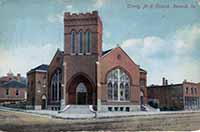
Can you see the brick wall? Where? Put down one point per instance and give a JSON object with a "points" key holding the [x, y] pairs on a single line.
{"points": [[37, 86], [86, 63], [169, 96], [117, 58], [12, 94]]}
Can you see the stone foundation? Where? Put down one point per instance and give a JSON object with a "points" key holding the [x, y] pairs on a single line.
{"points": [[119, 108]]}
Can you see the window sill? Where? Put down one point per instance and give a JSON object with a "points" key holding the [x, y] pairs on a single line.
{"points": [[88, 53], [116, 101], [72, 53], [80, 53]]}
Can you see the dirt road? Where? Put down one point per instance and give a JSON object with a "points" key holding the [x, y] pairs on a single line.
{"points": [[22, 122]]}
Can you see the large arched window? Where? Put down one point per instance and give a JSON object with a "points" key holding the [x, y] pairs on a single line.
{"points": [[88, 42], [118, 85], [56, 86], [80, 42], [73, 35]]}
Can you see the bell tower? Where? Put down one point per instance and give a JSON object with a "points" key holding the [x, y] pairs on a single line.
{"points": [[82, 34], [82, 49]]}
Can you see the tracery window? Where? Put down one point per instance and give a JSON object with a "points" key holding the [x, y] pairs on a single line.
{"points": [[56, 86], [118, 85]]}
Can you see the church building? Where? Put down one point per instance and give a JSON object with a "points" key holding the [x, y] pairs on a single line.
{"points": [[84, 75]]}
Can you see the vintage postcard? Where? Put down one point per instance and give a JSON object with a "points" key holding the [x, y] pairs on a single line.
{"points": [[99, 65]]}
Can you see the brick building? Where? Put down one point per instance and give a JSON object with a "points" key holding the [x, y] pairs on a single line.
{"points": [[37, 87], [183, 96], [10, 76], [13, 91], [83, 74]]}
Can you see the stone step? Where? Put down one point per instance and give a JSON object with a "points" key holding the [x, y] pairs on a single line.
{"points": [[149, 108], [78, 109]]}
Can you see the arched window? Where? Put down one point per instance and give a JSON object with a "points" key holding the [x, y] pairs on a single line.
{"points": [[80, 42], [88, 42], [73, 42], [118, 85], [81, 88], [56, 86], [110, 91], [17, 92]]}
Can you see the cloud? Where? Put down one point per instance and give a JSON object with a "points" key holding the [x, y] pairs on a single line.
{"points": [[28, 56], [187, 39], [99, 3], [70, 8], [173, 56], [132, 42], [2, 2], [149, 46], [198, 2], [107, 34], [58, 18]]}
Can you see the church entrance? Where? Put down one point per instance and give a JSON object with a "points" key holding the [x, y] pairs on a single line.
{"points": [[81, 91], [81, 94]]}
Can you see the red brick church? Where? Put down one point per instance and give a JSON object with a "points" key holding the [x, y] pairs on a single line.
{"points": [[83, 74]]}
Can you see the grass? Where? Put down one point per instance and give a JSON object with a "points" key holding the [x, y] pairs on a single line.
{"points": [[23, 122]]}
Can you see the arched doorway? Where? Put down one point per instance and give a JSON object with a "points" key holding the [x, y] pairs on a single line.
{"points": [[44, 102], [81, 90], [141, 97], [81, 94]]}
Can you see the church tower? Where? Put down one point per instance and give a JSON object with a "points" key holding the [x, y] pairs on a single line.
{"points": [[82, 49]]}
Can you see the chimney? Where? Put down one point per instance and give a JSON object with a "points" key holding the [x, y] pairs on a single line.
{"points": [[166, 82], [163, 81]]}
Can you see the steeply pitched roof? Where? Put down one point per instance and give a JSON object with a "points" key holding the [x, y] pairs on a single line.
{"points": [[105, 52], [42, 67], [165, 86], [58, 53], [143, 70], [13, 84]]}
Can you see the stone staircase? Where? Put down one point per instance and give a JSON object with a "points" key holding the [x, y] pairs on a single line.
{"points": [[77, 111], [149, 108]]}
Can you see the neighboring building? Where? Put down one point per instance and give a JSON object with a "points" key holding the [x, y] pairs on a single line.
{"points": [[10, 76], [37, 87], [13, 91], [183, 96], [85, 75]]}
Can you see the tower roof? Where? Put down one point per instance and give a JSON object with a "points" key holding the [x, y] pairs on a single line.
{"points": [[42, 67], [13, 84]]}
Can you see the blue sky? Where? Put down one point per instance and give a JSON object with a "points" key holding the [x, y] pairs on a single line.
{"points": [[164, 39]]}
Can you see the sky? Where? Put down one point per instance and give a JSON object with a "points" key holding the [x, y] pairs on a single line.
{"points": [[162, 36]]}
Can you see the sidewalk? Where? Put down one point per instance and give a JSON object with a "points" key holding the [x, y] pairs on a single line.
{"points": [[55, 114]]}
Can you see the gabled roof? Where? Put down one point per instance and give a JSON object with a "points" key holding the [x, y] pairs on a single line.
{"points": [[118, 47], [42, 67], [142, 70], [13, 84], [58, 52], [105, 52]]}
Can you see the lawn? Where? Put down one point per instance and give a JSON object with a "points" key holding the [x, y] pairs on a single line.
{"points": [[23, 122]]}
